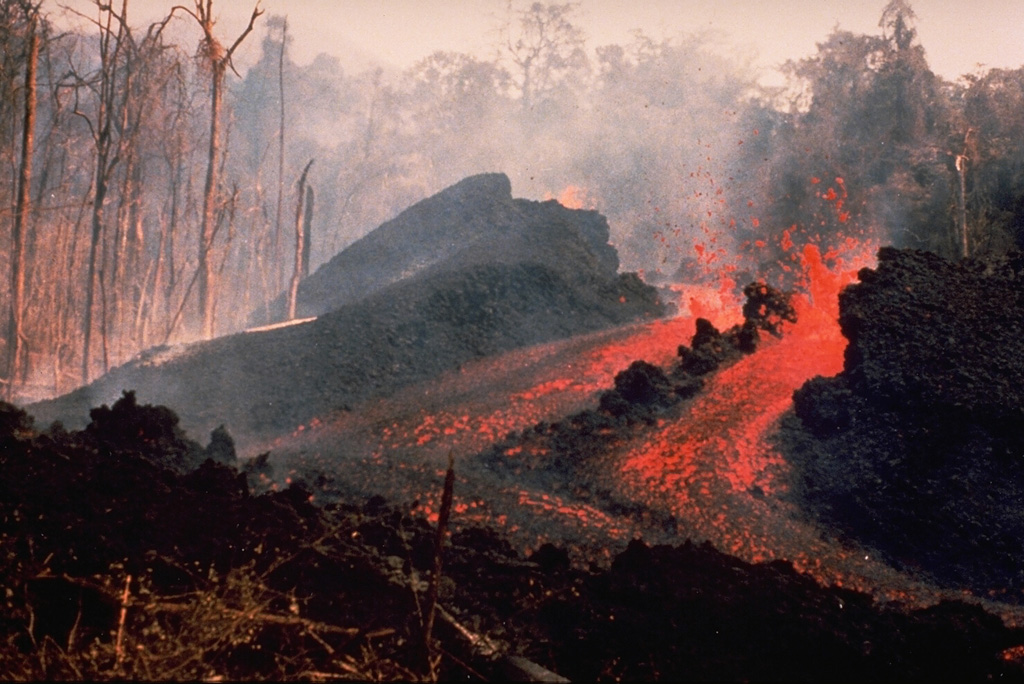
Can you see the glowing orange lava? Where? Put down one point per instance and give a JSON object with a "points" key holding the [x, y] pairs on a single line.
{"points": [[572, 197], [460, 411], [715, 469], [710, 473]]}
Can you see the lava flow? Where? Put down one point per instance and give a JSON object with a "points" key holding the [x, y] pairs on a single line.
{"points": [[715, 470], [705, 471]]}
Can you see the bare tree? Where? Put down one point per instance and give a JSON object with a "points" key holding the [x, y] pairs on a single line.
{"points": [[115, 101], [218, 60], [307, 231], [15, 330], [112, 29], [546, 49], [176, 151], [300, 245], [280, 142], [960, 163], [152, 129]]}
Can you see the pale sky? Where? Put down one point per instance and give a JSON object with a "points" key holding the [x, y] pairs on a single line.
{"points": [[957, 35]]}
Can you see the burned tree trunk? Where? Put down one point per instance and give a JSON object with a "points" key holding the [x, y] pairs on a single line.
{"points": [[219, 59], [96, 234], [15, 330], [278, 260], [960, 163], [206, 275], [307, 231], [961, 205], [300, 245], [105, 140]]}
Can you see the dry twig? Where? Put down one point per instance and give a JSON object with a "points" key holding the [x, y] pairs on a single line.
{"points": [[119, 641], [433, 590]]}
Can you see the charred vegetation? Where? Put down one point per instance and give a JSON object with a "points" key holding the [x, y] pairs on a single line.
{"points": [[116, 565]]}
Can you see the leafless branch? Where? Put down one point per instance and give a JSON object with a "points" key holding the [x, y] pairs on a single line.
{"points": [[256, 12]]}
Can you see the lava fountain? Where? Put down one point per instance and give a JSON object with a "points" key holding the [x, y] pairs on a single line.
{"points": [[716, 471]]}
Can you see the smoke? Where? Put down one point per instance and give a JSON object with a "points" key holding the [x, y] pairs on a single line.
{"points": [[700, 172], [706, 177], [646, 132]]}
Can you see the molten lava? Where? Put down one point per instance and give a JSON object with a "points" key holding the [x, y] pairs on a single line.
{"points": [[716, 471], [706, 471], [572, 197]]}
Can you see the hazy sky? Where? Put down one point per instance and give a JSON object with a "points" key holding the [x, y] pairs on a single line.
{"points": [[957, 35]]}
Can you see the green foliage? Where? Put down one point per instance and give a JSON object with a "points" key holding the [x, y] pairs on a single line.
{"points": [[994, 147], [870, 111]]}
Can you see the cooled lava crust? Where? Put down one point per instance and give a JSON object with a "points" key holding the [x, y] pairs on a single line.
{"points": [[917, 447]]}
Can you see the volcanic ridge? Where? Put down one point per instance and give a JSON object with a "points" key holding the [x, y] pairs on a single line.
{"points": [[467, 273]]}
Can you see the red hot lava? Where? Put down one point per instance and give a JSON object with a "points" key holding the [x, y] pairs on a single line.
{"points": [[712, 468]]}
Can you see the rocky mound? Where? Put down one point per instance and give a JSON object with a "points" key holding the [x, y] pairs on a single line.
{"points": [[916, 447], [467, 273], [475, 221], [116, 568]]}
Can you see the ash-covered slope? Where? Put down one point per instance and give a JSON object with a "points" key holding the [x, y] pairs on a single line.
{"points": [[472, 222], [489, 274], [917, 447]]}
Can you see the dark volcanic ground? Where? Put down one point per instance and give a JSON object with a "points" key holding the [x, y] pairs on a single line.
{"points": [[114, 565], [917, 447]]}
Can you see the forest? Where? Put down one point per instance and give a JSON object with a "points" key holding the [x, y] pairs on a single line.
{"points": [[152, 194]]}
